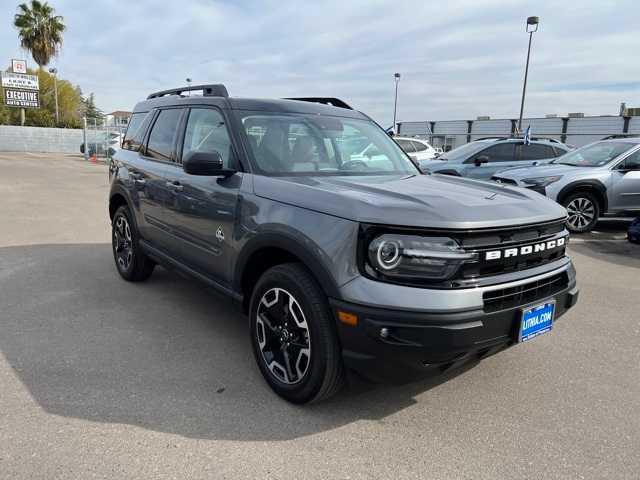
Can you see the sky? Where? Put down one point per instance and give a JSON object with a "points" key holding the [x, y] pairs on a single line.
{"points": [[457, 59]]}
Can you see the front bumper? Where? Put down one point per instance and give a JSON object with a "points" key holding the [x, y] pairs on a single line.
{"points": [[417, 342]]}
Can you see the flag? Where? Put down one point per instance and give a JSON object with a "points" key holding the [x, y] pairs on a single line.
{"points": [[527, 135]]}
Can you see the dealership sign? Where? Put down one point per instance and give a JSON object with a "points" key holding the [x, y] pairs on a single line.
{"points": [[18, 66], [21, 98], [20, 80]]}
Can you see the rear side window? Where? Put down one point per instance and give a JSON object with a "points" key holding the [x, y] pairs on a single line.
{"points": [[536, 151], [420, 147], [135, 131], [163, 135], [206, 132], [406, 145]]}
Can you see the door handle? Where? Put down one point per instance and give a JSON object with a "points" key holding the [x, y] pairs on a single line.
{"points": [[175, 186], [138, 181]]}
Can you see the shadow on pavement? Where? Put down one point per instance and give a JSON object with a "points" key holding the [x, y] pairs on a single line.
{"points": [[608, 242], [166, 355]]}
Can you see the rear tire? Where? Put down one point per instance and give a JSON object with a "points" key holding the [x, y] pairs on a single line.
{"points": [[132, 264], [294, 336], [583, 210]]}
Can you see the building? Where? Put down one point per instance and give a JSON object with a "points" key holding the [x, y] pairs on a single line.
{"points": [[574, 129], [119, 118]]}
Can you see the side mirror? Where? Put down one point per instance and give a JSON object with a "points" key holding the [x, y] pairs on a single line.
{"points": [[436, 155], [630, 168], [481, 159], [205, 164]]}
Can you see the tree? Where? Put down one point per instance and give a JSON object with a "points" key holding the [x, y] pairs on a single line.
{"points": [[39, 30], [91, 111]]}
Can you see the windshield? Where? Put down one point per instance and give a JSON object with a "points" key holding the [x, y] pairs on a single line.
{"points": [[463, 152], [594, 155], [301, 144]]}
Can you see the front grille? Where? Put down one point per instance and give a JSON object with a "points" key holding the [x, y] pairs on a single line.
{"points": [[505, 298], [499, 240]]}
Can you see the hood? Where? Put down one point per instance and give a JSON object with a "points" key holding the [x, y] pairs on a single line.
{"points": [[421, 200], [545, 170]]}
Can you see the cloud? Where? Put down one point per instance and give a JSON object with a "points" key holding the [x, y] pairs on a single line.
{"points": [[458, 59]]}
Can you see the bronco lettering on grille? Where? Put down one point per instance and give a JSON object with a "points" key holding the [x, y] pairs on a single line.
{"points": [[526, 250]]}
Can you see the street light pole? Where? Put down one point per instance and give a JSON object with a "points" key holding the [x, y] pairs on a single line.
{"points": [[189, 84], [396, 77], [54, 72], [532, 27]]}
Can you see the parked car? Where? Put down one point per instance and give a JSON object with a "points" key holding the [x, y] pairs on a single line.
{"points": [[340, 260], [482, 158], [633, 234], [103, 143], [416, 148], [602, 177]]}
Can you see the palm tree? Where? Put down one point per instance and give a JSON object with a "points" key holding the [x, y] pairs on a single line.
{"points": [[39, 30]]}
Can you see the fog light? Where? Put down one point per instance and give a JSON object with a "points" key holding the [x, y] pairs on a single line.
{"points": [[384, 333]]}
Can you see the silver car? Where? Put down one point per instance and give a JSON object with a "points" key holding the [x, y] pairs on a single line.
{"points": [[602, 177]]}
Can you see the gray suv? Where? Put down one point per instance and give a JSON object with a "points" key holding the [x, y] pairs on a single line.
{"points": [[482, 158], [339, 260], [602, 177]]}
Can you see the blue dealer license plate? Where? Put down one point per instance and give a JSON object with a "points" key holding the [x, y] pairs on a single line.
{"points": [[536, 321]]}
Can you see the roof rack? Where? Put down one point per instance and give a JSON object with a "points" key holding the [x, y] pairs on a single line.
{"points": [[512, 137], [334, 102], [621, 135], [214, 90]]}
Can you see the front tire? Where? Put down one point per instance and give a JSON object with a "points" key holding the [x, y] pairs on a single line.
{"points": [[583, 211], [132, 264], [293, 335]]}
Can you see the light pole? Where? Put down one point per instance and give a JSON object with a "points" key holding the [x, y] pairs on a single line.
{"points": [[532, 27], [396, 77], [54, 72], [188, 80]]}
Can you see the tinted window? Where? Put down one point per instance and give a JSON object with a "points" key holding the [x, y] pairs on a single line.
{"points": [[406, 145], [503, 152], [136, 130], [632, 162], [536, 151], [163, 134], [420, 147], [206, 132]]}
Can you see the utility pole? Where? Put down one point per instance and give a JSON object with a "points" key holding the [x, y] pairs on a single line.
{"points": [[532, 27], [54, 72], [396, 77]]}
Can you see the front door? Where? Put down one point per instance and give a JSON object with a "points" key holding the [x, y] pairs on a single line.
{"points": [[203, 208], [626, 183]]}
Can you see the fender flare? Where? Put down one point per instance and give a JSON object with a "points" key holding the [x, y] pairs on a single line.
{"points": [[588, 184], [288, 243]]}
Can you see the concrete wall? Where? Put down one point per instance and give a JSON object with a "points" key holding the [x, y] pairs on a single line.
{"points": [[39, 139]]}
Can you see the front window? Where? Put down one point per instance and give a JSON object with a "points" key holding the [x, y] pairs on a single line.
{"points": [[595, 154], [302, 144]]}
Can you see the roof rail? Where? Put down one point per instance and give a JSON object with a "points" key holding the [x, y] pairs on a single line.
{"points": [[335, 102], [214, 90]]}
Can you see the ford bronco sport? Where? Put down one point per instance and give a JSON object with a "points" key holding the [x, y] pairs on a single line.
{"points": [[340, 260]]}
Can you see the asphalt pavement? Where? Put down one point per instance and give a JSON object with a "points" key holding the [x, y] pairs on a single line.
{"points": [[100, 378]]}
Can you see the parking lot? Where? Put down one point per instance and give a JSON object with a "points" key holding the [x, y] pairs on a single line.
{"points": [[100, 378]]}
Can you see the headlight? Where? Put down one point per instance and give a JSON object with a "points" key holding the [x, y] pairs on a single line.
{"points": [[414, 257], [541, 181]]}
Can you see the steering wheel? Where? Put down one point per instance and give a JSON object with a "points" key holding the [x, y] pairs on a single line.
{"points": [[354, 163]]}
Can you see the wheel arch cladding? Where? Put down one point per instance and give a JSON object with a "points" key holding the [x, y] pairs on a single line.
{"points": [[269, 250], [116, 201], [592, 186]]}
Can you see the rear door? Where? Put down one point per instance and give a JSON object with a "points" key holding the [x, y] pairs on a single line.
{"points": [[626, 183], [203, 208], [488, 161]]}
